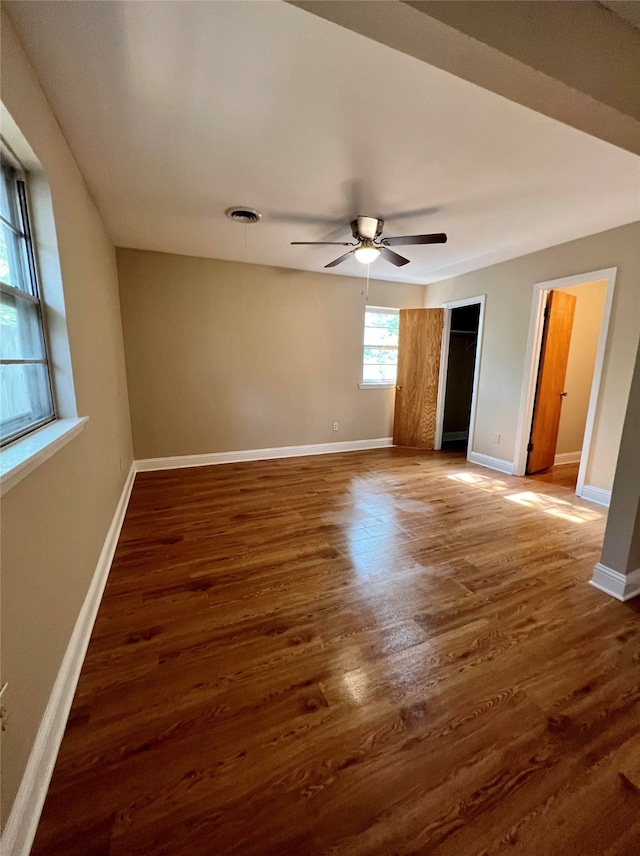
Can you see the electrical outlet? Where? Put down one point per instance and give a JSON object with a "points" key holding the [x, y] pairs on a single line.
{"points": [[496, 438], [335, 426]]}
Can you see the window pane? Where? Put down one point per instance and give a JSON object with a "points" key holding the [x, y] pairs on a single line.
{"points": [[20, 329], [25, 397], [11, 260], [5, 208], [380, 336], [379, 374], [380, 356], [390, 320], [25, 391], [7, 198]]}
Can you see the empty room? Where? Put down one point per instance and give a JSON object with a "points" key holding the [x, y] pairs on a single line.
{"points": [[320, 410]]}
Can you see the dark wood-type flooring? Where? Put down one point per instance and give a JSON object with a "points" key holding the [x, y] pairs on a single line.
{"points": [[364, 654]]}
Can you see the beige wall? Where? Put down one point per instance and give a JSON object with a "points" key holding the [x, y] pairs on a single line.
{"points": [[224, 356], [621, 548], [582, 359], [509, 290], [55, 521]]}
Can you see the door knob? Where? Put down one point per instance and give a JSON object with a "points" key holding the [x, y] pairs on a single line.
{"points": [[398, 387], [563, 394]]}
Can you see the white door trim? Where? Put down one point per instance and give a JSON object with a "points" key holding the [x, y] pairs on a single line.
{"points": [[442, 379], [532, 361], [444, 367]]}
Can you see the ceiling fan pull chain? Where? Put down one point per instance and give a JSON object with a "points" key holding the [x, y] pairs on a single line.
{"points": [[367, 297]]}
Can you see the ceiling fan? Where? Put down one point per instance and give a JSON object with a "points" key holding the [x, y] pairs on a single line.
{"points": [[369, 245]]}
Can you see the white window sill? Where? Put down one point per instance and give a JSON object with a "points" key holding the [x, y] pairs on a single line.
{"points": [[376, 385], [22, 457]]}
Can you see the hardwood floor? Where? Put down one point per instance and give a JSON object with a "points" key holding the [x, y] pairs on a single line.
{"points": [[565, 475], [363, 654]]}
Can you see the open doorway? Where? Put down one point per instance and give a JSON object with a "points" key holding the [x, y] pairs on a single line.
{"points": [[461, 342], [567, 452]]}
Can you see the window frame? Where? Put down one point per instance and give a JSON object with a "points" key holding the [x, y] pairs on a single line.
{"points": [[374, 384], [17, 188]]}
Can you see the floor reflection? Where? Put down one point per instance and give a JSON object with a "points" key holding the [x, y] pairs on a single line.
{"points": [[356, 683]]}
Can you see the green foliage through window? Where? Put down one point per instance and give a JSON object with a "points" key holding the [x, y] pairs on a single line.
{"points": [[380, 355], [26, 401]]}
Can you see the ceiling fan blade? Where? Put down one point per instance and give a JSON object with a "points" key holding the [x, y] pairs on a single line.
{"points": [[406, 240], [392, 257], [323, 243], [339, 260]]}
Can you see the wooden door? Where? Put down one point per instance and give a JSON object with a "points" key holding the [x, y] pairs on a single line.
{"points": [[414, 422], [556, 338]]}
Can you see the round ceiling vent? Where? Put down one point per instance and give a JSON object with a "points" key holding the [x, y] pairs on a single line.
{"points": [[240, 214]]}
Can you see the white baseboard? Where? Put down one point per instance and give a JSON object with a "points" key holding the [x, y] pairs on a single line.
{"points": [[492, 463], [179, 461], [596, 494], [20, 830], [621, 586], [455, 435], [567, 458]]}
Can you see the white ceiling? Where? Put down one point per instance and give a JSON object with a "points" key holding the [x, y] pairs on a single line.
{"points": [[178, 110]]}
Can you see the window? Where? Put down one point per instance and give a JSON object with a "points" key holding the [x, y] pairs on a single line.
{"points": [[26, 401], [380, 361]]}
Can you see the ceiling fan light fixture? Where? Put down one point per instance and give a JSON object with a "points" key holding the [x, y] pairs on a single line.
{"points": [[366, 253]]}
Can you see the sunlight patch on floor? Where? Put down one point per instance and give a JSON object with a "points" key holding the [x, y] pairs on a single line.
{"points": [[483, 482], [529, 499], [554, 506]]}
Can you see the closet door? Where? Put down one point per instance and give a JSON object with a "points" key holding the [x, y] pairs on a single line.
{"points": [[420, 343]]}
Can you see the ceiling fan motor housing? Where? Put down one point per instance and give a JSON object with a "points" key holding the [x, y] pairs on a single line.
{"points": [[367, 227]]}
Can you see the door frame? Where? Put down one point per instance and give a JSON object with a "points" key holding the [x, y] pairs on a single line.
{"points": [[532, 362], [444, 367]]}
